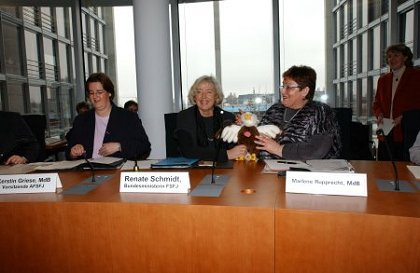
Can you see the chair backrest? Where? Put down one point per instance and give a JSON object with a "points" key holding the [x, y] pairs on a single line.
{"points": [[410, 124], [344, 117], [360, 141], [171, 143], [38, 123]]}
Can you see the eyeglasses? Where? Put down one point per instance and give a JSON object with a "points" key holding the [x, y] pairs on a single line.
{"points": [[98, 93], [289, 87]]}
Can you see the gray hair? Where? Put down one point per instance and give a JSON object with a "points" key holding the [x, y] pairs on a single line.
{"points": [[209, 79]]}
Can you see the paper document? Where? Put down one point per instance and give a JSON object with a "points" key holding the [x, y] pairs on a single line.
{"points": [[97, 163], [142, 164], [315, 165], [386, 125], [415, 170]]}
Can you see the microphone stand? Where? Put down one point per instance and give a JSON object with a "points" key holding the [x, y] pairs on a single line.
{"points": [[212, 185], [383, 185], [90, 167]]}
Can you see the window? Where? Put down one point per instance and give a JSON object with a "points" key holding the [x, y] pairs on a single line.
{"points": [[32, 55], [15, 97], [35, 100], [61, 21], [406, 28], [49, 59], [63, 57], [12, 49], [245, 51]]}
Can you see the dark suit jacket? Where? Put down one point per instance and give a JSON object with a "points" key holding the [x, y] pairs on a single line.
{"points": [[186, 135], [16, 138], [123, 126], [407, 97]]}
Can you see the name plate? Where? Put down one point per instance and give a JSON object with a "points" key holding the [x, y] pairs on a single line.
{"points": [[155, 182], [350, 184], [29, 183]]}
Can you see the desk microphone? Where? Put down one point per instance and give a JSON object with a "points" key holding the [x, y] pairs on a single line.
{"points": [[218, 144], [90, 167], [379, 133]]}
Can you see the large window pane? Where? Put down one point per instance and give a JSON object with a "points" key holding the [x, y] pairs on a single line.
{"points": [[35, 99], [32, 54], [63, 55], [50, 59], [245, 51], [15, 98], [12, 49]]}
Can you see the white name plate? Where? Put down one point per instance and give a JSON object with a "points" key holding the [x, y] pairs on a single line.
{"points": [[29, 183], [155, 182], [351, 184]]}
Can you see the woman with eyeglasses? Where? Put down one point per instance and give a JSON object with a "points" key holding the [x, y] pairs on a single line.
{"points": [[309, 129], [106, 130]]}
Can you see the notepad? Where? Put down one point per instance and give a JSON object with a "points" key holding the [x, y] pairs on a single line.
{"points": [[175, 162]]}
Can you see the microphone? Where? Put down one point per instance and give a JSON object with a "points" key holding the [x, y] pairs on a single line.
{"points": [[379, 133], [218, 144], [90, 167]]}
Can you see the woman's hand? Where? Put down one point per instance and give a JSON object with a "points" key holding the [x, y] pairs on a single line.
{"points": [[109, 148], [268, 144], [237, 151], [15, 159], [77, 150]]}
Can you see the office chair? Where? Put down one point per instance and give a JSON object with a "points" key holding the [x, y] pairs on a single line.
{"points": [[171, 143], [410, 125], [344, 117], [360, 141], [38, 123]]}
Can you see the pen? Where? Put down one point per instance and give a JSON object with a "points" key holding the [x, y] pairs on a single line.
{"points": [[286, 162]]}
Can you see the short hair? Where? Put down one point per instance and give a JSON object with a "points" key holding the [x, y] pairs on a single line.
{"points": [[129, 103], [209, 79], [82, 105], [404, 50], [104, 80], [304, 76]]}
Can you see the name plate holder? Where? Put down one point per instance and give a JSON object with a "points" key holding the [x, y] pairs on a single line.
{"points": [[155, 182], [29, 183], [348, 184]]}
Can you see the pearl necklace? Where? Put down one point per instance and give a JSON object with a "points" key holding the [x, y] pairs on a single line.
{"points": [[285, 114]]}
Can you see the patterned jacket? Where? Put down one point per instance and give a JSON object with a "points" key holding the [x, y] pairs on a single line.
{"points": [[314, 119]]}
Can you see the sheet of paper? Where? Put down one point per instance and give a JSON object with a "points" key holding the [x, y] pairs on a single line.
{"points": [[142, 164], [16, 169], [415, 170], [386, 125]]}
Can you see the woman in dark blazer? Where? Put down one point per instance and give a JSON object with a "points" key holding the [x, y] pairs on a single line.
{"points": [[106, 130], [198, 126]]}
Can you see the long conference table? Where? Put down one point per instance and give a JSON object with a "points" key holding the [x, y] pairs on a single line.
{"points": [[254, 226]]}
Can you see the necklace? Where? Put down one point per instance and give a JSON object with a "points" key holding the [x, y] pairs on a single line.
{"points": [[285, 114]]}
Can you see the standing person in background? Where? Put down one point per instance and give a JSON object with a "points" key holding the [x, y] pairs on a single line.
{"points": [[131, 106], [198, 126], [18, 145], [106, 130], [397, 92]]}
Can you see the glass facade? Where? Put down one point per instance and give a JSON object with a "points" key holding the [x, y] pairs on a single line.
{"points": [[37, 73], [364, 45]]}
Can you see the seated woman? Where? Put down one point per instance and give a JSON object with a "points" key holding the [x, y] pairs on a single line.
{"points": [[415, 151], [106, 130], [198, 127], [309, 128], [18, 145]]}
